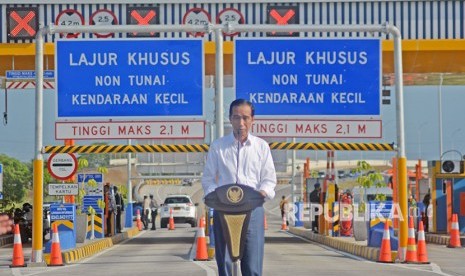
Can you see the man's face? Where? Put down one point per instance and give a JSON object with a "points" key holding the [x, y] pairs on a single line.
{"points": [[241, 120]]}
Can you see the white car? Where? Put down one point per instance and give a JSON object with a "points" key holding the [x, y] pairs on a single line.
{"points": [[184, 210]]}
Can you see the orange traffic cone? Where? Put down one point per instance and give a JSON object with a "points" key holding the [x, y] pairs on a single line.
{"points": [[411, 256], [202, 222], [385, 255], [454, 241], [422, 254], [202, 254], [55, 252], [284, 224], [265, 224], [171, 221], [138, 220], [18, 257]]}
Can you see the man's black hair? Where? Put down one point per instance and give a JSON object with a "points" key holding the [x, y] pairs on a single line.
{"points": [[239, 102]]}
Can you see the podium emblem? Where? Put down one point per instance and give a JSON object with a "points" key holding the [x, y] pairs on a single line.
{"points": [[235, 194]]}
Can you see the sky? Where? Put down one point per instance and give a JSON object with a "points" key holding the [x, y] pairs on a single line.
{"points": [[421, 119]]}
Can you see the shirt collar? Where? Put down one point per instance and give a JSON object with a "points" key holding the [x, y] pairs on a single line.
{"points": [[233, 139]]}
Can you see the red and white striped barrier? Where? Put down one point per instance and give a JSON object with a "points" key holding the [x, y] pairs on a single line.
{"points": [[28, 85]]}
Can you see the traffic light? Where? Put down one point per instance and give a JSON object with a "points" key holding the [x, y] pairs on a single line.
{"points": [[22, 22], [143, 16], [282, 15]]}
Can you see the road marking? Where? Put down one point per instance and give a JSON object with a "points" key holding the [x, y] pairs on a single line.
{"points": [[329, 248], [17, 272], [210, 272], [434, 267]]}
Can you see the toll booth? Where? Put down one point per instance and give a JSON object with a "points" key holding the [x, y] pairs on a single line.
{"points": [[448, 194]]}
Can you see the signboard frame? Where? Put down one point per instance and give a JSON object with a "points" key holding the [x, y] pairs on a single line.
{"points": [[317, 128], [243, 72], [136, 100], [131, 129]]}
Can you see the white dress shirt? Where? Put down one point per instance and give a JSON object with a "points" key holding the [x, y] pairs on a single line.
{"points": [[255, 167]]}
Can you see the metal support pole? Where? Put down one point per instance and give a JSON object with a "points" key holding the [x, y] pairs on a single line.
{"points": [[402, 159], [219, 83], [218, 29], [293, 175], [38, 163], [440, 114], [128, 219]]}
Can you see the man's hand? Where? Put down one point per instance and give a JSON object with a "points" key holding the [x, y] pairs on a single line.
{"points": [[263, 193]]}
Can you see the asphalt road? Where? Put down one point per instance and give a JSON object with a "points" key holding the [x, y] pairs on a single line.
{"points": [[164, 252]]}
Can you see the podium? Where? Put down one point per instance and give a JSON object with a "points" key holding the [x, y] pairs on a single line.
{"points": [[234, 203]]}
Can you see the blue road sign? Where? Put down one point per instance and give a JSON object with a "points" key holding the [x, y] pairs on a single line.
{"points": [[129, 78], [301, 77], [28, 74], [62, 211], [85, 177]]}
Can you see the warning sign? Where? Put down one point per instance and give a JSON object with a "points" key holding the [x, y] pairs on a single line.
{"points": [[232, 16], [142, 16], [283, 15], [69, 18], [197, 17], [62, 165], [103, 17], [22, 22]]}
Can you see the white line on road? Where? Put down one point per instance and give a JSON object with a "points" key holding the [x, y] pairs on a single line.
{"points": [[435, 269], [210, 272], [85, 260]]}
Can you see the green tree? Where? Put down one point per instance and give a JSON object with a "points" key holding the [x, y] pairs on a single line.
{"points": [[368, 178], [17, 178]]}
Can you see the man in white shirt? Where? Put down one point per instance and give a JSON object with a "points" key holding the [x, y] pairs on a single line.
{"points": [[244, 159]]}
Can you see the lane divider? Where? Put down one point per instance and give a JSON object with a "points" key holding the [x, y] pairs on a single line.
{"points": [[93, 247], [369, 253]]}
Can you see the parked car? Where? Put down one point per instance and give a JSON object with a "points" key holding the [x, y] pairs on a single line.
{"points": [[184, 210]]}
